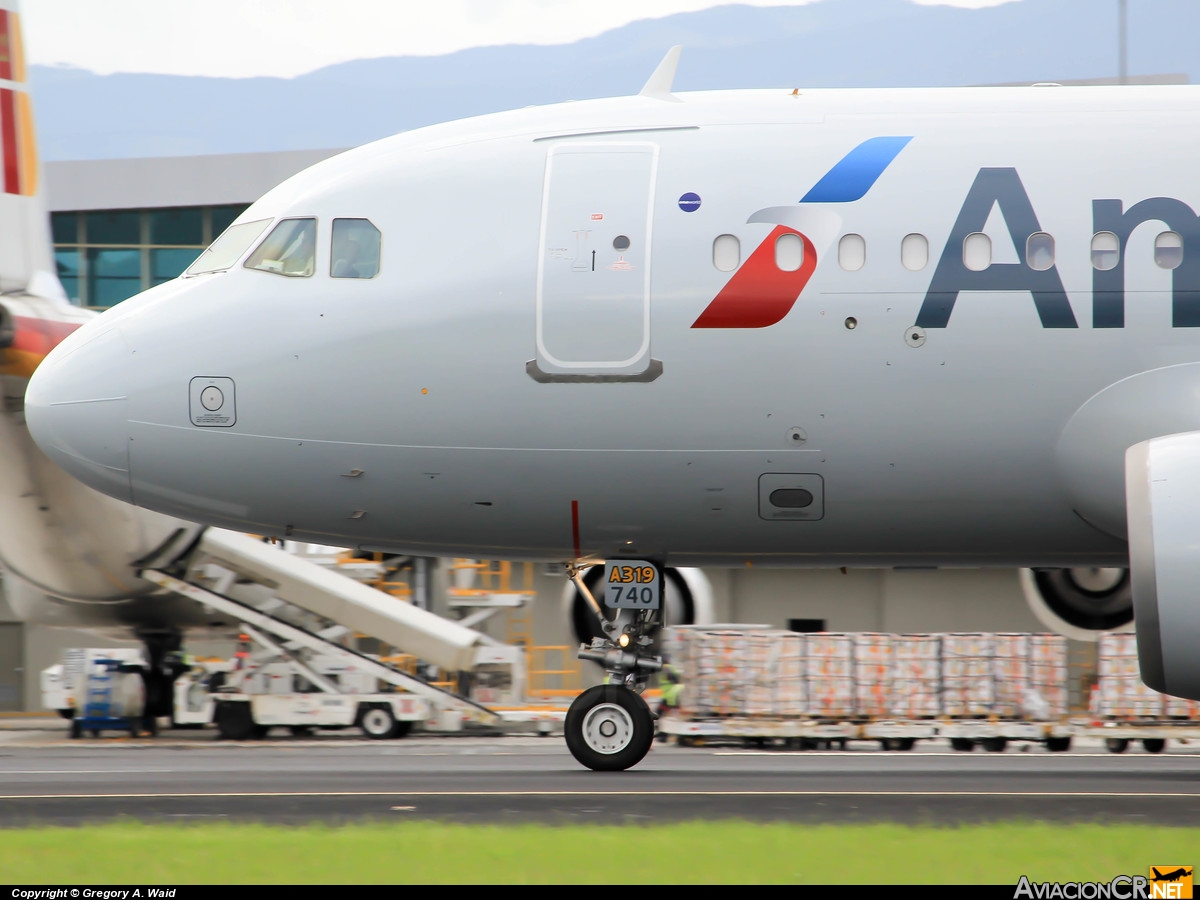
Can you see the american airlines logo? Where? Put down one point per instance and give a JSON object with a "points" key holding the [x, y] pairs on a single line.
{"points": [[760, 293]]}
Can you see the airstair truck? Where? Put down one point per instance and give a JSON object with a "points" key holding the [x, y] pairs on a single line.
{"points": [[287, 686]]}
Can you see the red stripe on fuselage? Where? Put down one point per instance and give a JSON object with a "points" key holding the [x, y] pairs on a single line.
{"points": [[8, 134], [760, 293]]}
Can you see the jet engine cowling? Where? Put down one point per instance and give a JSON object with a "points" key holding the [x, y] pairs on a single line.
{"points": [[1162, 485], [1080, 603]]}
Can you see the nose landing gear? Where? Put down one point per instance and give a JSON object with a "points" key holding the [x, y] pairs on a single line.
{"points": [[609, 727]]}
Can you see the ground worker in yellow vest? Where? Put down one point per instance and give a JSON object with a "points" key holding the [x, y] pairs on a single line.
{"points": [[671, 687]]}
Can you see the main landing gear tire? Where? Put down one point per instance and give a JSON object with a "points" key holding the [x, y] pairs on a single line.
{"points": [[609, 728]]}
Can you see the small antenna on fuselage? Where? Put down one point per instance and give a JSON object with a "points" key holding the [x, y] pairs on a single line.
{"points": [[658, 87]]}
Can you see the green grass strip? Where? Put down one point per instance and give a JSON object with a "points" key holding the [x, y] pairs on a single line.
{"points": [[690, 852]]}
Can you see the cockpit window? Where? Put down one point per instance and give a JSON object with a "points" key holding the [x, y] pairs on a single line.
{"points": [[355, 251], [290, 249], [228, 248]]}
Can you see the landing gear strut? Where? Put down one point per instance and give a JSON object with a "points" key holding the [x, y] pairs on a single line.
{"points": [[609, 727]]}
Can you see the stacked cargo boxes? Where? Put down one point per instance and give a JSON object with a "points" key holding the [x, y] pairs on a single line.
{"points": [[759, 673], [872, 674], [916, 676], [1179, 708], [1048, 672], [713, 684], [1030, 674], [830, 674], [968, 683], [763, 672], [792, 683], [1120, 692], [1010, 674], [725, 671]]}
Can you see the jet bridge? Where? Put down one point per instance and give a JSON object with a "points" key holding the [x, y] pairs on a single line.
{"points": [[220, 559]]}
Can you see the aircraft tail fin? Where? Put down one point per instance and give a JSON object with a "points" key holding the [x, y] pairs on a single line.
{"points": [[26, 254], [35, 314]]}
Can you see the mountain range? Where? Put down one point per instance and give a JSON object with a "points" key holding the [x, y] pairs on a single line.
{"points": [[832, 43]]}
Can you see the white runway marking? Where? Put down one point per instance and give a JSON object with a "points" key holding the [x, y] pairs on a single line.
{"points": [[844, 754], [261, 794], [82, 771]]}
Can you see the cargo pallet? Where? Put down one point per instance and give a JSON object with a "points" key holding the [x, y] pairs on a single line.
{"points": [[799, 734], [1153, 734]]}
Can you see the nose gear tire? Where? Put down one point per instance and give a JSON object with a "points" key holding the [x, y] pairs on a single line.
{"points": [[609, 728]]}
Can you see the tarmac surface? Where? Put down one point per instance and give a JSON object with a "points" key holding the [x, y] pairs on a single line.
{"points": [[45, 778]]}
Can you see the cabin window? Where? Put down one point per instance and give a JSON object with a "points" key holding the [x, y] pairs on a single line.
{"points": [[977, 251], [1168, 250], [354, 249], [789, 252], [1106, 250], [727, 252], [290, 249], [852, 252], [1039, 251], [228, 248], [914, 252]]}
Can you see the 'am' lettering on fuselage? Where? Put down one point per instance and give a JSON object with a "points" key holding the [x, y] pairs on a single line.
{"points": [[1002, 187]]}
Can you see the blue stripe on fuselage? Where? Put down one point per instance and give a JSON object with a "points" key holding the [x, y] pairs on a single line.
{"points": [[856, 171]]}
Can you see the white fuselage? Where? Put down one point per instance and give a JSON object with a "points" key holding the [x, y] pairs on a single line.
{"points": [[557, 359]]}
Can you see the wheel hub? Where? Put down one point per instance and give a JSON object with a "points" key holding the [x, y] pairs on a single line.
{"points": [[607, 728], [375, 720]]}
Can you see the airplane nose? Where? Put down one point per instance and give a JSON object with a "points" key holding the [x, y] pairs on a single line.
{"points": [[75, 407]]}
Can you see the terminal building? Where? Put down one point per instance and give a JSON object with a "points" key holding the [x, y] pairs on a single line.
{"points": [[122, 226]]}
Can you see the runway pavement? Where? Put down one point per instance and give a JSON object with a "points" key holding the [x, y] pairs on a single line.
{"points": [[189, 776]]}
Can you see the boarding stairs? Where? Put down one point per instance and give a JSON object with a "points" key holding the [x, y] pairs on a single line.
{"points": [[287, 603]]}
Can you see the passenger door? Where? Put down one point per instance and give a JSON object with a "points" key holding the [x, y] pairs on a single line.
{"points": [[593, 289]]}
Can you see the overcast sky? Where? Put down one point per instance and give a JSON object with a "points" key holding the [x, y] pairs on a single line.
{"points": [[241, 38]]}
